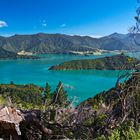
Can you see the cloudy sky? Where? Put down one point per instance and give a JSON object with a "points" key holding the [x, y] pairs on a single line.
{"points": [[82, 17]]}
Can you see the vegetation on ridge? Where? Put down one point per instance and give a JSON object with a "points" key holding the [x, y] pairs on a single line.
{"points": [[4, 54], [42, 43], [117, 62]]}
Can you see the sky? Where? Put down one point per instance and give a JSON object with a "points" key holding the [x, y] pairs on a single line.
{"points": [[74, 17]]}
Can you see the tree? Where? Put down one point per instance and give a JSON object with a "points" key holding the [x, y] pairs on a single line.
{"points": [[11, 83], [60, 95], [135, 30], [47, 91]]}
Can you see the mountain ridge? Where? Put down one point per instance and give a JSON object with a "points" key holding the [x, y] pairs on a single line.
{"points": [[42, 43]]}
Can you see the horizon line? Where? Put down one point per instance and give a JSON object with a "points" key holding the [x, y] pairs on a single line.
{"points": [[92, 36]]}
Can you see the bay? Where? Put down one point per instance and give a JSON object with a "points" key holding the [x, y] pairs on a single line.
{"points": [[82, 84]]}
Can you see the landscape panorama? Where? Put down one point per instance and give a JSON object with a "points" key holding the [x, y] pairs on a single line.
{"points": [[70, 70]]}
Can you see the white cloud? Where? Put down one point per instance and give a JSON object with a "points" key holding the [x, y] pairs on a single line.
{"points": [[95, 36], [7, 35], [63, 25], [3, 24], [90, 35], [44, 24]]}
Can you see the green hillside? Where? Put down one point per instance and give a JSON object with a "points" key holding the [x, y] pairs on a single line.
{"points": [[116, 62]]}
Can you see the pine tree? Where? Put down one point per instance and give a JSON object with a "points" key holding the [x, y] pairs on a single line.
{"points": [[47, 91], [60, 95]]}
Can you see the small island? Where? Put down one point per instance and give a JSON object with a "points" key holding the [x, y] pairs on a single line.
{"points": [[116, 62]]}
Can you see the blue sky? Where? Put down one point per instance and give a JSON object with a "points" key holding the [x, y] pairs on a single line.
{"points": [[81, 17]]}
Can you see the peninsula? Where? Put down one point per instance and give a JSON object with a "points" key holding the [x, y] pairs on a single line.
{"points": [[116, 62]]}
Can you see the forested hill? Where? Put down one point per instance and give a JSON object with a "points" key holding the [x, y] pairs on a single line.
{"points": [[59, 43], [7, 54], [11, 55], [116, 62]]}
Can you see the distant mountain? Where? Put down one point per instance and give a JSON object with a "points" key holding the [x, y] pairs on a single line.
{"points": [[119, 42], [4, 54], [7, 54], [47, 43], [118, 36], [59, 43]]}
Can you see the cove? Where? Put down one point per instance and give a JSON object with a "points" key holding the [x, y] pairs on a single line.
{"points": [[82, 84]]}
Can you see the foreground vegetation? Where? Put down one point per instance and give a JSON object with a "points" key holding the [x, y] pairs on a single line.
{"points": [[116, 62], [111, 115]]}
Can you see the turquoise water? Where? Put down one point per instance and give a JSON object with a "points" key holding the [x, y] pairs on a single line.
{"points": [[83, 84]]}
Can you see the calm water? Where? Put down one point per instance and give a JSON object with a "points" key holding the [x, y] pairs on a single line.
{"points": [[83, 84]]}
